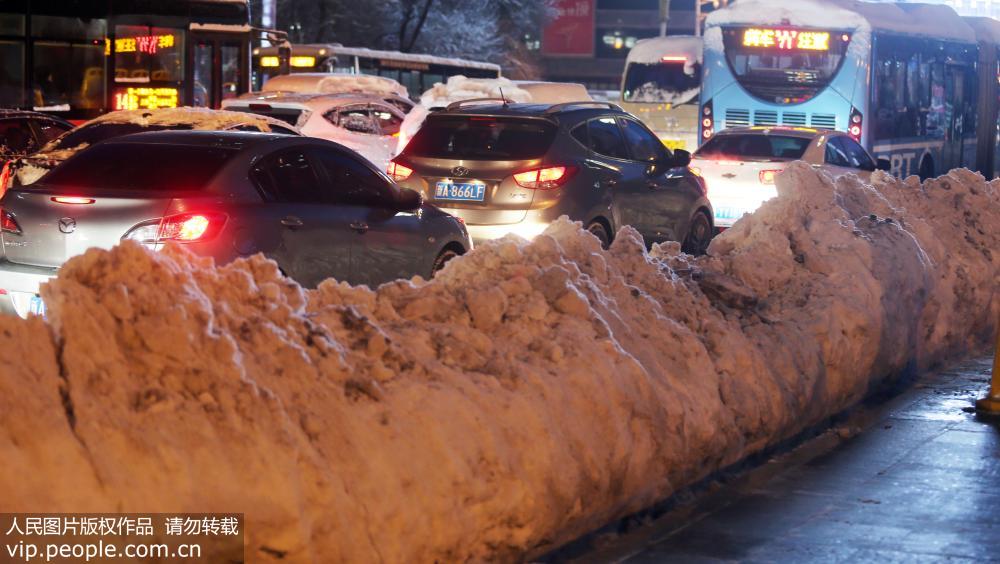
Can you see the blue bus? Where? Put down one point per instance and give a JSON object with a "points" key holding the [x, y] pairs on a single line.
{"points": [[913, 83]]}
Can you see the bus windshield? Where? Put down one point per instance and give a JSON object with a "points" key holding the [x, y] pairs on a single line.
{"points": [[784, 72], [663, 83]]}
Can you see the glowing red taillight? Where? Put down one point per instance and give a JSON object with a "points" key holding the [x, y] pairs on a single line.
{"points": [[854, 127], [8, 224], [545, 178], [397, 171], [72, 200], [183, 228], [5, 173]]}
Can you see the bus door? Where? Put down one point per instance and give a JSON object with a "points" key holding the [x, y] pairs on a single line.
{"points": [[219, 63], [954, 138]]}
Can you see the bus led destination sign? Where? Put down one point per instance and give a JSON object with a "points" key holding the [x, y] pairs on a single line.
{"points": [[786, 39]]}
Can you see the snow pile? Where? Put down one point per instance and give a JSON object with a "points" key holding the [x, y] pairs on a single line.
{"points": [[529, 393], [334, 83]]}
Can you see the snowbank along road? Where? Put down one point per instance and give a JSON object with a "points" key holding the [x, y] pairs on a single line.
{"points": [[530, 393]]}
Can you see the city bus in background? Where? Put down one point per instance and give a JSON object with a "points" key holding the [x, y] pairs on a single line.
{"points": [[415, 71], [83, 58], [660, 85], [905, 80]]}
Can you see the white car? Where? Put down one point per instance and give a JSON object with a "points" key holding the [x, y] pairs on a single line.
{"points": [[739, 165], [365, 123]]}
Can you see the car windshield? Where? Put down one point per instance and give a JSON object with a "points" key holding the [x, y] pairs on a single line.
{"points": [[93, 133], [664, 83], [141, 167], [754, 147], [482, 138]]}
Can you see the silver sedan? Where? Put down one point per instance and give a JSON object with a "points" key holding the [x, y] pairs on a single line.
{"points": [[317, 208]]}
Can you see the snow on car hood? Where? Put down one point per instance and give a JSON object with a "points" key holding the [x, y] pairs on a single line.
{"points": [[530, 393]]}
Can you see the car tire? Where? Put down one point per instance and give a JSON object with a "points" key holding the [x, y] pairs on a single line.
{"points": [[598, 229], [442, 259], [699, 235]]}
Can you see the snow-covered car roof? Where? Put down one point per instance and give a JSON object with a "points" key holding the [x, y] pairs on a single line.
{"points": [[332, 83], [553, 92], [932, 20], [458, 88], [195, 118], [312, 100]]}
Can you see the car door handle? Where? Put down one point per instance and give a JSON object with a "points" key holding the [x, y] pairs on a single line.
{"points": [[291, 222], [359, 226]]}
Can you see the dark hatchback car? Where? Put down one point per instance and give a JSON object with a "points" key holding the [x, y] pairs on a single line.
{"points": [[515, 168], [23, 132], [317, 208]]}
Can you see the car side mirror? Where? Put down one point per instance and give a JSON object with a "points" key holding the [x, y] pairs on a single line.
{"points": [[681, 158], [409, 200], [883, 164]]}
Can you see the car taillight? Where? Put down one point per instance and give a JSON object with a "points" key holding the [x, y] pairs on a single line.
{"points": [[767, 176], [72, 200], [8, 224], [184, 228], [398, 172], [5, 173], [707, 121], [854, 127], [545, 178]]}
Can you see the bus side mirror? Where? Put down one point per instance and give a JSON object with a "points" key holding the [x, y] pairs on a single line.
{"points": [[883, 164]]}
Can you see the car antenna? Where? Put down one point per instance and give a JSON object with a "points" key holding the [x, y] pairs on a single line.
{"points": [[502, 97]]}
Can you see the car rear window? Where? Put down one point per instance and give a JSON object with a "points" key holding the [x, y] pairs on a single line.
{"points": [[288, 115], [91, 134], [141, 167], [482, 138], [754, 146]]}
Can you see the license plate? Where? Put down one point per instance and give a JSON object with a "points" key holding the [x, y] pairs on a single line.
{"points": [[730, 213], [36, 306], [470, 192]]}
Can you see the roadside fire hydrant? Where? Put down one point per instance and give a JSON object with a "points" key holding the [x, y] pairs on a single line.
{"points": [[990, 405]]}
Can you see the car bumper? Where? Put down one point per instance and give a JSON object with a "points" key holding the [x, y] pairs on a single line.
{"points": [[19, 284]]}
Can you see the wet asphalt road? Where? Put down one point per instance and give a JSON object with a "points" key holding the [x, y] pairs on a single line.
{"points": [[916, 479]]}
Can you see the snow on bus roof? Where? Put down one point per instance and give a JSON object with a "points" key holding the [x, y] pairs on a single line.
{"points": [[653, 50], [414, 57], [333, 83], [987, 29], [930, 20]]}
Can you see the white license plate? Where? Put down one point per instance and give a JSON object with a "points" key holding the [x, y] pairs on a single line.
{"points": [[467, 191], [36, 306]]}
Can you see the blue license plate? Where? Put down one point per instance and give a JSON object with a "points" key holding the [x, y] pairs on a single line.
{"points": [[36, 306], [470, 192], [730, 213]]}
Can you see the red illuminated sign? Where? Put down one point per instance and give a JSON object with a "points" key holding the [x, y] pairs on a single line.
{"points": [[787, 39], [571, 32]]}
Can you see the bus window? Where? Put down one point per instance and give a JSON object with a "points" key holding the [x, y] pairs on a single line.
{"points": [[429, 80], [67, 74], [788, 76], [230, 71], [203, 84], [666, 82], [11, 74], [148, 54]]}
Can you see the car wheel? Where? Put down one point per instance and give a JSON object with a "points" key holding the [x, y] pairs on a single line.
{"points": [[699, 235], [442, 259], [597, 229]]}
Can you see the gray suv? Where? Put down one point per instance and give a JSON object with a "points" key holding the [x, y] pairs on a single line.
{"points": [[315, 207], [515, 168]]}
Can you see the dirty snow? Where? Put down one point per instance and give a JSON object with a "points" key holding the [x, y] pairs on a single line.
{"points": [[532, 392]]}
